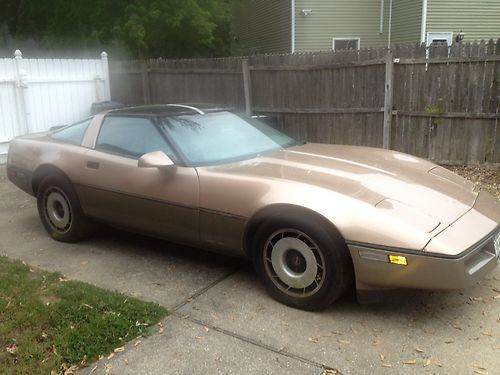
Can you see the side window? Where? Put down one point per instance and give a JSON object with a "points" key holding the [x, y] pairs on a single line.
{"points": [[131, 136], [345, 43], [72, 133]]}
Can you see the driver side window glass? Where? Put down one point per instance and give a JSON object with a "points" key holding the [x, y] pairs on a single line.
{"points": [[131, 136]]}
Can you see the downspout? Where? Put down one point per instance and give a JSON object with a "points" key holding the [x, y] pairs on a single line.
{"points": [[390, 26], [293, 26], [381, 29], [423, 28]]}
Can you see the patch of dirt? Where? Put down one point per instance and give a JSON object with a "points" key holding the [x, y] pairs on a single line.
{"points": [[486, 175]]}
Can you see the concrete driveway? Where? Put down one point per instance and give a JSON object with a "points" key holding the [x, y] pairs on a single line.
{"points": [[223, 322]]}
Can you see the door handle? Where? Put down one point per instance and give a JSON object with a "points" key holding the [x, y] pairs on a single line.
{"points": [[92, 164]]}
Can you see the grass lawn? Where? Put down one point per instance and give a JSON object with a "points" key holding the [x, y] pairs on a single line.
{"points": [[49, 323]]}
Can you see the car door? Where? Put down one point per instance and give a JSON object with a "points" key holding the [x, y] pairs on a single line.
{"points": [[155, 201]]}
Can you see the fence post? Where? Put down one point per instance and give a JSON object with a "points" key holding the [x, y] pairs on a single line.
{"points": [[105, 73], [21, 84], [388, 99], [146, 88], [247, 86]]}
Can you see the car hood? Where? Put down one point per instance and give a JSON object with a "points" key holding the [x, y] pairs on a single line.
{"points": [[413, 189]]}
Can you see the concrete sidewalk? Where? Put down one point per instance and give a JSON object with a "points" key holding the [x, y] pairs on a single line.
{"points": [[222, 321]]}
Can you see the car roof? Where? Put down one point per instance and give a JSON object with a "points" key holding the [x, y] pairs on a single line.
{"points": [[173, 109]]}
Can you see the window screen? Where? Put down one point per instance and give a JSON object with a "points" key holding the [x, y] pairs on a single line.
{"points": [[339, 44]]}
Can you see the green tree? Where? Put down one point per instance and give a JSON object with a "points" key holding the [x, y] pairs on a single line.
{"points": [[144, 28]]}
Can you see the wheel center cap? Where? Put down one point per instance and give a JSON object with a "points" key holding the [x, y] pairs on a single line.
{"points": [[295, 261]]}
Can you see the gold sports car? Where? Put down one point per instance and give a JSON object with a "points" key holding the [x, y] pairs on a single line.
{"points": [[314, 218]]}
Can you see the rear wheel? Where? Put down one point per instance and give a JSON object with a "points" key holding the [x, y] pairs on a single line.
{"points": [[302, 263], [60, 210]]}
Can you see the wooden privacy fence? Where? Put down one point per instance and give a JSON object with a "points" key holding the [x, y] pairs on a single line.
{"points": [[440, 103]]}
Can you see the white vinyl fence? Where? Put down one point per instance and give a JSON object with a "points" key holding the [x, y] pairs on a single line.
{"points": [[36, 94]]}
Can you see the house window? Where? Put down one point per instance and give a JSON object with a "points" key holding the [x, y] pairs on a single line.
{"points": [[345, 43], [434, 38]]}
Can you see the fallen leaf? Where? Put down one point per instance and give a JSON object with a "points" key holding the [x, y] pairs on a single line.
{"points": [[418, 350], [111, 355], [376, 342], [382, 357], [427, 362], [314, 339], [107, 368], [119, 350], [485, 333], [480, 372], [137, 342], [409, 362], [71, 370], [63, 279], [329, 371], [387, 365], [94, 368], [344, 341], [206, 328]]}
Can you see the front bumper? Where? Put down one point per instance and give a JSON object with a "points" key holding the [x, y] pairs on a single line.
{"points": [[424, 270]]}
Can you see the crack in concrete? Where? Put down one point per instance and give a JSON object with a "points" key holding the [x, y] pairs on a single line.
{"points": [[255, 342], [174, 313], [205, 289]]}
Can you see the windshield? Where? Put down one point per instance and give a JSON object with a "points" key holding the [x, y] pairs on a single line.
{"points": [[222, 137]]}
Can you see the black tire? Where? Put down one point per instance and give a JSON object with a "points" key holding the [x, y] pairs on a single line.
{"points": [[281, 264], [60, 211]]}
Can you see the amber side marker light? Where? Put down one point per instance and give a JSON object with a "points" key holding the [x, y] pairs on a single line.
{"points": [[398, 259]]}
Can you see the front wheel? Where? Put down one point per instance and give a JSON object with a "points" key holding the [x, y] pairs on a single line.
{"points": [[60, 211], [302, 263]]}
